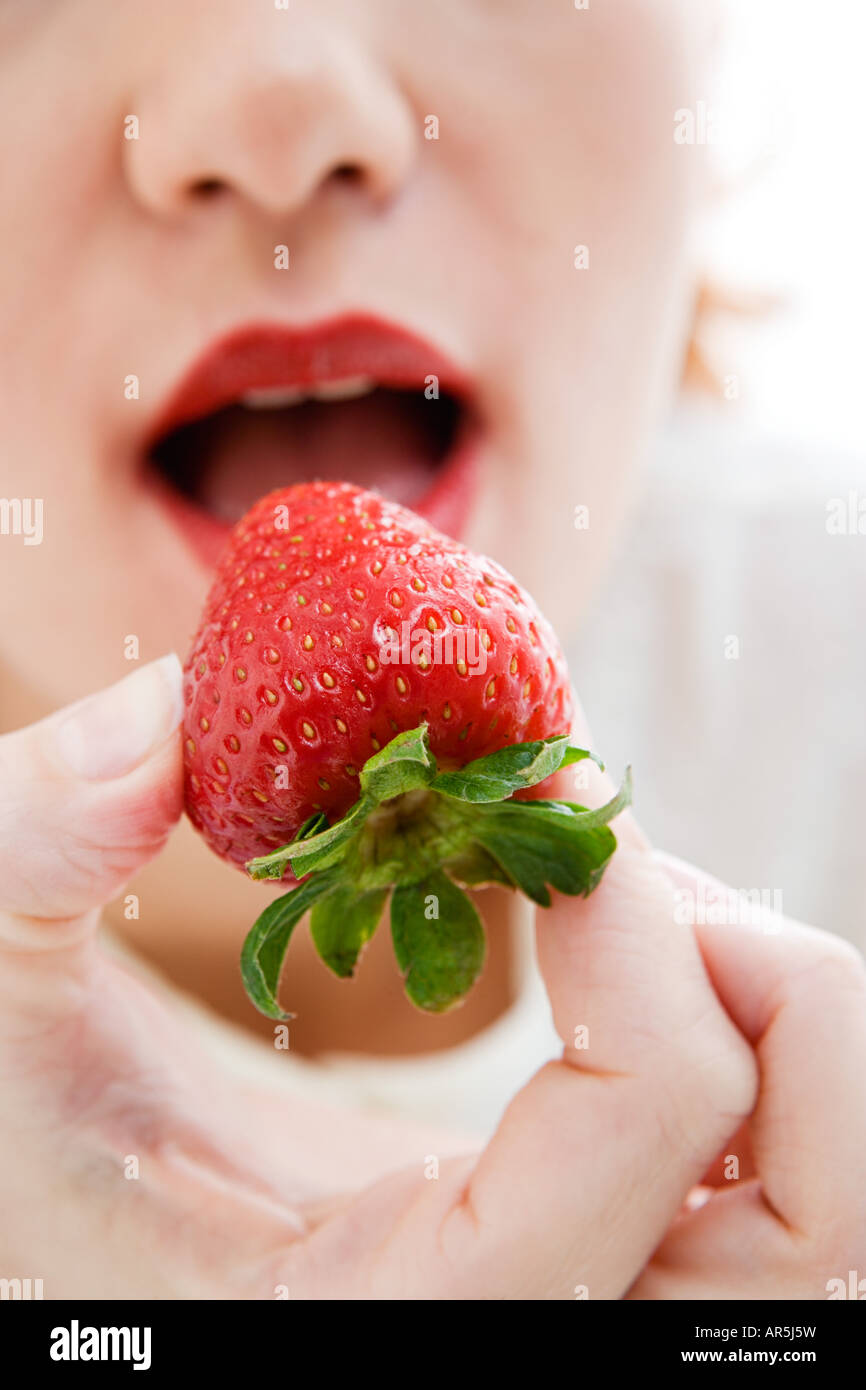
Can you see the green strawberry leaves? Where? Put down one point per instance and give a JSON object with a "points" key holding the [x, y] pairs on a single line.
{"points": [[342, 922], [315, 852], [510, 770], [274, 865], [417, 833], [403, 765], [539, 850], [266, 944], [438, 941]]}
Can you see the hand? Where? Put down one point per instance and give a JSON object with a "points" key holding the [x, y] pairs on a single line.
{"points": [[795, 1218], [133, 1163], [585, 1178]]}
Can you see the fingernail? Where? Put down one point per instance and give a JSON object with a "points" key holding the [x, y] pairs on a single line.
{"points": [[110, 733]]}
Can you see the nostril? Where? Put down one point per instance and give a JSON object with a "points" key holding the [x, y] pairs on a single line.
{"points": [[347, 173], [209, 188]]}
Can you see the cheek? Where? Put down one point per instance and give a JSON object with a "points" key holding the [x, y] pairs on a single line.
{"points": [[58, 163], [569, 112], [611, 166], [594, 200]]}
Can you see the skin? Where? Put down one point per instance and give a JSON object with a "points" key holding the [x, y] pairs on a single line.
{"points": [[468, 241], [703, 1042], [731, 1041]]}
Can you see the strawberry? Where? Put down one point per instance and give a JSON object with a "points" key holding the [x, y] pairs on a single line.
{"points": [[363, 699]]}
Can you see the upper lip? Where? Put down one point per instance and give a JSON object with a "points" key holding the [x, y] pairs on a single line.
{"points": [[271, 355]]}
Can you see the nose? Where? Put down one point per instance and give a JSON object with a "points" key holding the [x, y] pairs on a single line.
{"points": [[267, 109]]}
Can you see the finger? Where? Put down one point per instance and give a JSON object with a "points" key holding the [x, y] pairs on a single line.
{"points": [[86, 797], [734, 1163], [800, 995], [734, 1247], [589, 785], [595, 1156]]}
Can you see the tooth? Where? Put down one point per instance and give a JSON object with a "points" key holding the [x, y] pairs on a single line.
{"points": [[273, 397], [348, 389]]}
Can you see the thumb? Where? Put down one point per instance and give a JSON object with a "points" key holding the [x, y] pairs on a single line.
{"points": [[594, 1157], [618, 963], [86, 797]]}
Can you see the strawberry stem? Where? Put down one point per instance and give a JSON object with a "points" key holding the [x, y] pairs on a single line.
{"points": [[417, 833]]}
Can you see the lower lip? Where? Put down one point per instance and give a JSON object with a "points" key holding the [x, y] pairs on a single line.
{"points": [[447, 505]]}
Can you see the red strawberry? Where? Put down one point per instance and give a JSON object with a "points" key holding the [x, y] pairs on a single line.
{"points": [[337, 621]]}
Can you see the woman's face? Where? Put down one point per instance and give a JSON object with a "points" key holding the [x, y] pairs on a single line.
{"points": [[125, 262]]}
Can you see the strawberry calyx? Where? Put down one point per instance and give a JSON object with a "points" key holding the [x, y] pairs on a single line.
{"points": [[417, 833]]}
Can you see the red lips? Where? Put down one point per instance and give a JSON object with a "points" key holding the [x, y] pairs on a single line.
{"points": [[269, 355], [272, 357]]}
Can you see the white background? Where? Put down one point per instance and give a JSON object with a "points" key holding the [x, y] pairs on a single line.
{"points": [[791, 109]]}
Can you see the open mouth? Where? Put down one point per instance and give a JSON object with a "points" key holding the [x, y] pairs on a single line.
{"points": [[353, 401]]}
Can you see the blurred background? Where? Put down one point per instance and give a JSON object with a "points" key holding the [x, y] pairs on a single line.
{"points": [[791, 216], [725, 657]]}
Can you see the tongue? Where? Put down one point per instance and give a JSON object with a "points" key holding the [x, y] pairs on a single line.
{"points": [[391, 442]]}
